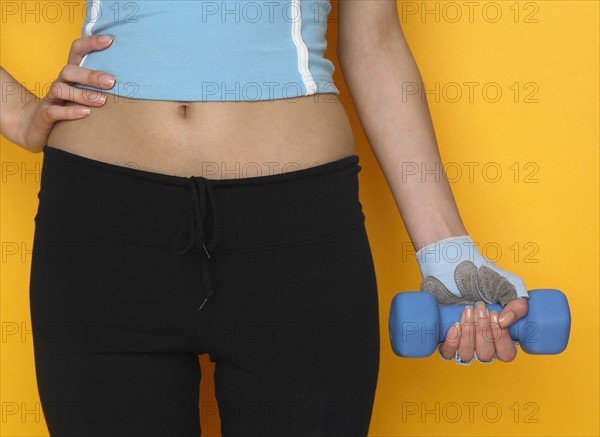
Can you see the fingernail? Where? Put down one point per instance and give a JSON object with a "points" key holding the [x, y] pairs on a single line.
{"points": [[481, 309], [455, 330], [469, 312], [508, 317], [105, 38], [107, 80], [82, 111], [494, 319]]}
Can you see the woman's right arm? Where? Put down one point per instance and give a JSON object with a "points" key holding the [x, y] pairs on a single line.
{"points": [[27, 121], [14, 98]]}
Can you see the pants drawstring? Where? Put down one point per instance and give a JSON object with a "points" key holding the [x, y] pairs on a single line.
{"points": [[192, 231]]}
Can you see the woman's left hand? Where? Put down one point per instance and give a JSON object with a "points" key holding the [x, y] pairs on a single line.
{"points": [[479, 335], [455, 272]]}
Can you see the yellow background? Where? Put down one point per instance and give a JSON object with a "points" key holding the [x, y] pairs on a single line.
{"points": [[548, 210]]}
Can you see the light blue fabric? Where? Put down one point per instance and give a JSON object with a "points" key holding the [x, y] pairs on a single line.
{"points": [[205, 50]]}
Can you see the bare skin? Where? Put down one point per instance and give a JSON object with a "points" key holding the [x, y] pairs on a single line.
{"points": [[213, 139]]}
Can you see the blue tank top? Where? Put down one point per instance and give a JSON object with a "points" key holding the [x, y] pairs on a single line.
{"points": [[212, 50]]}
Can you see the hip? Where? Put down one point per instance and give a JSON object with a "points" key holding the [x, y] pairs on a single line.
{"points": [[106, 227]]}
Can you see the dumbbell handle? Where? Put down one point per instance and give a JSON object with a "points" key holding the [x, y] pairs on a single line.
{"points": [[418, 324]]}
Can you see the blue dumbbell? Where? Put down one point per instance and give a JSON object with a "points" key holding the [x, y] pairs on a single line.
{"points": [[418, 324]]}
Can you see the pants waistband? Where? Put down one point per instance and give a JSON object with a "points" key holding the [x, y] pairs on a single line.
{"points": [[145, 207]]}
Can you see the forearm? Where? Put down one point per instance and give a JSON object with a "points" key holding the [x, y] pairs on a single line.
{"points": [[400, 132], [13, 100]]}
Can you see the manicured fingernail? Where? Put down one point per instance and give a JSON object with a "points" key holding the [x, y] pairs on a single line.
{"points": [[82, 111], [508, 317], [107, 80], [454, 331], [481, 309], [105, 38], [469, 312]]}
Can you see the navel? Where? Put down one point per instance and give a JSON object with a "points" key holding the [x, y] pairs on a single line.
{"points": [[183, 110]]}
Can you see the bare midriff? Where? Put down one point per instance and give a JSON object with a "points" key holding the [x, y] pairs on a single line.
{"points": [[217, 140]]}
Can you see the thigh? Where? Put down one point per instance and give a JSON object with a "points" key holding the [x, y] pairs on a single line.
{"points": [[295, 337], [110, 345]]}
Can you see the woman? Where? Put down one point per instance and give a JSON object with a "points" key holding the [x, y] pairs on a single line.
{"points": [[175, 221]]}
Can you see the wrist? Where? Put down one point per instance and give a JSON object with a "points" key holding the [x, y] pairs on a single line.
{"points": [[438, 235], [436, 245], [23, 121]]}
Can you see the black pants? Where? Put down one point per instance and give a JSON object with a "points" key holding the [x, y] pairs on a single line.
{"points": [[136, 273]]}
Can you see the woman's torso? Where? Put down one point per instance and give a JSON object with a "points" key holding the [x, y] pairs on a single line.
{"points": [[175, 63], [218, 140]]}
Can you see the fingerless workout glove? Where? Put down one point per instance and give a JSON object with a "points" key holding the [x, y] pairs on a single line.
{"points": [[455, 272]]}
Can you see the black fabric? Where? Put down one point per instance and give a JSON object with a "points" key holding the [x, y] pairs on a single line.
{"points": [[292, 325]]}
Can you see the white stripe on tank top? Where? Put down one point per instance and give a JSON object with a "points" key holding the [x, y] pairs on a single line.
{"points": [[307, 77]]}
